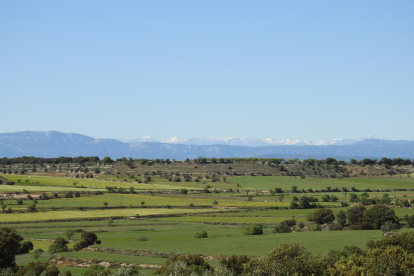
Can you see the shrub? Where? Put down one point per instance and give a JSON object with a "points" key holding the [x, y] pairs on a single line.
{"points": [[37, 253], [284, 226], [98, 242], [316, 227], [143, 238], [253, 229], [201, 235], [235, 263], [80, 245]]}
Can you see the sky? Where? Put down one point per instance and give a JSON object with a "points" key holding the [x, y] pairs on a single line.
{"points": [[268, 69]]}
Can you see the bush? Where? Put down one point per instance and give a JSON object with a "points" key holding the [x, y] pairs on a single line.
{"points": [[89, 237], [98, 242], [202, 235], [142, 238], [37, 253], [235, 263], [253, 229], [284, 226], [387, 226], [80, 245], [316, 227]]}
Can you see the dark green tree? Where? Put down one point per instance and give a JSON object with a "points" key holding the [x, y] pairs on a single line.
{"points": [[9, 246]]}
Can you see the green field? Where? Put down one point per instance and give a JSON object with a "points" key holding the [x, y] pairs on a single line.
{"points": [[173, 232], [57, 215], [266, 183]]}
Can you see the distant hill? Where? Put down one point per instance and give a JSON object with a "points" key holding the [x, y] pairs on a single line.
{"points": [[56, 144]]}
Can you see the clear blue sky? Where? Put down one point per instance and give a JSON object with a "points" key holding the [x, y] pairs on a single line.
{"points": [[267, 69]]}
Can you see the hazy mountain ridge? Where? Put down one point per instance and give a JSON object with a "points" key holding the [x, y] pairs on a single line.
{"points": [[55, 144]]}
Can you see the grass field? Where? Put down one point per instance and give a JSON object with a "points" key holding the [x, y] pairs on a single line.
{"points": [[82, 182], [266, 183], [56, 215], [175, 234]]}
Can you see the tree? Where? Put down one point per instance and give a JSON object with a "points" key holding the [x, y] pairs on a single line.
{"points": [[9, 246], [294, 189], [69, 233], [323, 216], [105, 203], [353, 197], [90, 237], [25, 247], [280, 198], [235, 263], [379, 214], [107, 160], [355, 215], [142, 203], [341, 217], [59, 245]]}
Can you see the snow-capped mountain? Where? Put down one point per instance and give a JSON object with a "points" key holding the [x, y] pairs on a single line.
{"points": [[249, 142], [256, 142]]}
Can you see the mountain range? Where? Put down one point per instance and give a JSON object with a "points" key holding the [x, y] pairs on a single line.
{"points": [[250, 142], [56, 144]]}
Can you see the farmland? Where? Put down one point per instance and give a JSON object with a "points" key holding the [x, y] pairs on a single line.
{"points": [[142, 224]]}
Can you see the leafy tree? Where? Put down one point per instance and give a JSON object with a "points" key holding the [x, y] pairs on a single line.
{"points": [[90, 237], [69, 233], [142, 203], [353, 197], [107, 160], [9, 246], [39, 269], [323, 216], [59, 245], [25, 247], [341, 217], [355, 215], [235, 263], [379, 214]]}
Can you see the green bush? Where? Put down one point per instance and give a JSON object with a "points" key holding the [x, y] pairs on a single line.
{"points": [[253, 229], [316, 227], [80, 245], [201, 235]]}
